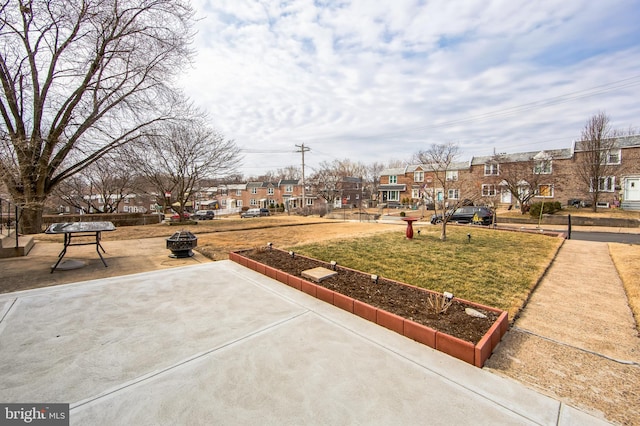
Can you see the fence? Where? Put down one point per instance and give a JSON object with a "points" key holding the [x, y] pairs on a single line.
{"points": [[9, 218]]}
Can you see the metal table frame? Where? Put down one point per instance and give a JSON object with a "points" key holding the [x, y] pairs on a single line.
{"points": [[72, 230]]}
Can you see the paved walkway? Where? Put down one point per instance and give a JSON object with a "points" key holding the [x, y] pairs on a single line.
{"points": [[576, 337]]}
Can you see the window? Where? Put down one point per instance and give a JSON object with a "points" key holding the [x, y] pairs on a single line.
{"points": [[545, 191], [309, 201], [253, 202], [415, 193], [491, 169], [239, 203], [288, 188], [393, 179], [542, 167], [611, 156], [394, 196], [605, 184], [254, 190], [452, 175], [488, 190], [224, 202], [418, 177], [238, 192], [454, 194], [270, 191]]}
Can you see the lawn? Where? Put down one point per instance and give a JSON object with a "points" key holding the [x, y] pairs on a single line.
{"points": [[495, 268]]}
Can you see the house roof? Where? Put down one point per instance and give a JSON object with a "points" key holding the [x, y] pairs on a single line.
{"points": [[393, 172], [391, 187], [632, 141], [289, 182], [522, 156], [260, 184]]}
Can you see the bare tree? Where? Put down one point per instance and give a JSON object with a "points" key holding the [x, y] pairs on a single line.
{"points": [[439, 159], [179, 156], [329, 178], [596, 157], [79, 79], [372, 178], [522, 178], [101, 187]]}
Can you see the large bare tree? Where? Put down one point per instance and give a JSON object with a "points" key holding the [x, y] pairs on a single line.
{"points": [[596, 157], [181, 155], [79, 79]]}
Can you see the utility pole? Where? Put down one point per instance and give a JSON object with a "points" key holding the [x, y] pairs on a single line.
{"points": [[303, 149]]}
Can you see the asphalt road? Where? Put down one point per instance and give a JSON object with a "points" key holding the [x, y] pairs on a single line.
{"points": [[606, 237]]}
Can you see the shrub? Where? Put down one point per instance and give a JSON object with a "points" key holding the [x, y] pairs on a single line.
{"points": [[402, 214], [547, 208]]}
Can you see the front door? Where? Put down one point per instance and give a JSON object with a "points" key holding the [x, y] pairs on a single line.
{"points": [[505, 196], [632, 189]]}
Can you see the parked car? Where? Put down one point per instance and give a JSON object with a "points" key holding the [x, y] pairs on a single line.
{"points": [[176, 216], [204, 215], [255, 213], [467, 214]]}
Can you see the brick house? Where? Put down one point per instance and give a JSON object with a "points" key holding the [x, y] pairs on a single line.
{"points": [[551, 175]]}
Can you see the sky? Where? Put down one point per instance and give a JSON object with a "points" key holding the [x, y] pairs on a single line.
{"points": [[374, 81]]}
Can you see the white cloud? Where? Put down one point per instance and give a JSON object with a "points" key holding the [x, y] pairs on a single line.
{"points": [[373, 81]]}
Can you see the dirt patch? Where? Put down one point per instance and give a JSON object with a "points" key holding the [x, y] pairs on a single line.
{"points": [[402, 300]]}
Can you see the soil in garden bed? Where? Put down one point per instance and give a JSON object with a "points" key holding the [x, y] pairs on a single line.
{"points": [[402, 300]]}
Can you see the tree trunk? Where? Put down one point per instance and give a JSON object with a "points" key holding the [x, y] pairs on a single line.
{"points": [[443, 231], [31, 219]]}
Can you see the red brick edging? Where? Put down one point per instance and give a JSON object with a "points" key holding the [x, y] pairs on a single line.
{"points": [[463, 350]]}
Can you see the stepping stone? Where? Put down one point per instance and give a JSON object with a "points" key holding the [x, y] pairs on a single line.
{"points": [[318, 274]]}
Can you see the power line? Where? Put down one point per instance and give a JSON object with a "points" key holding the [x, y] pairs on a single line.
{"points": [[539, 104]]}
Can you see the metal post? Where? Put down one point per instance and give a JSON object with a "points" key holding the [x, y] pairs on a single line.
{"points": [[569, 228]]}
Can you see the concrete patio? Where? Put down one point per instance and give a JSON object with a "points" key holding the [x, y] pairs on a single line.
{"points": [[216, 343]]}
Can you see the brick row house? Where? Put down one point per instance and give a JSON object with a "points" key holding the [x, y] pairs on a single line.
{"points": [[287, 192], [549, 175]]}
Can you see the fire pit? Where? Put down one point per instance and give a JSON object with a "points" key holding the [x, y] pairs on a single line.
{"points": [[181, 244]]}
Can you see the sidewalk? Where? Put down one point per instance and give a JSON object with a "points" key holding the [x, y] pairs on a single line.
{"points": [[576, 337]]}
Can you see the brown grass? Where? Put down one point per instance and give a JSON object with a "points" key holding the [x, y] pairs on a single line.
{"points": [[625, 257]]}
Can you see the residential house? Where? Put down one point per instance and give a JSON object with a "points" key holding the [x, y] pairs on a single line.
{"points": [[551, 175]]}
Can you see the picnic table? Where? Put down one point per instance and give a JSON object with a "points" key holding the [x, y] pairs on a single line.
{"points": [[72, 230]]}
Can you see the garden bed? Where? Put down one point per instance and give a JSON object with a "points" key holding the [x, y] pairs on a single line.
{"points": [[400, 307]]}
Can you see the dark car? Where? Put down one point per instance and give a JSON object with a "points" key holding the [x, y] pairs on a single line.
{"points": [[204, 215], [467, 214]]}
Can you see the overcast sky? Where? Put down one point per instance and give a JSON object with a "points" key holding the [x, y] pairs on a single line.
{"points": [[374, 80]]}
